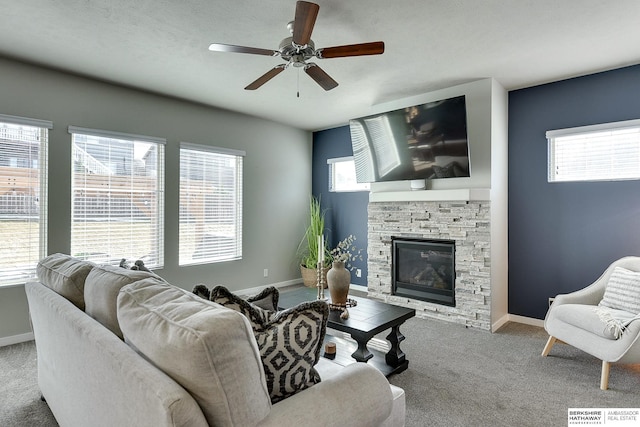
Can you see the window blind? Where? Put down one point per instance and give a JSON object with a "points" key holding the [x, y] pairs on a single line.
{"points": [[118, 197], [210, 204], [608, 151], [23, 197]]}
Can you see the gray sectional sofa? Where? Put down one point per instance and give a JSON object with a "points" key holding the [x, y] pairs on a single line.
{"points": [[119, 347]]}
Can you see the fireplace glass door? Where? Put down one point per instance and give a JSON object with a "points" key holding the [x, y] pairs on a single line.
{"points": [[424, 269]]}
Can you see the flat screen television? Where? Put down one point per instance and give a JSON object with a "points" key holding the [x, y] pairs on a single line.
{"points": [[427, 141]]}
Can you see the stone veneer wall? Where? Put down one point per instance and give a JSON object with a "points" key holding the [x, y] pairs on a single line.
{"points": [[467, 223]]}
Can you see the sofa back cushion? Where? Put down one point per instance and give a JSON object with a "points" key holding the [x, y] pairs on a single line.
{"points": [[208, 349], [101, 293], [65, 275]]}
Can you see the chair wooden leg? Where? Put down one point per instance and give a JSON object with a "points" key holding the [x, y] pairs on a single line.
{"points": [[604, 377], [547, 348]]}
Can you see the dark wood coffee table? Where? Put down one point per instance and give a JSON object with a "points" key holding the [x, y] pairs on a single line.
{"points": [[367, 319]]}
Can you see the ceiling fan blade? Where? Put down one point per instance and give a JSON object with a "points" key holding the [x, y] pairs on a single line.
{"points": [[266, 77], [219, 47], [373, 48], [306, 14], [322, 78]]}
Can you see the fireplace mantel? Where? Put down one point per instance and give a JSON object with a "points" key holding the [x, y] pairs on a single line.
{"points": [[453, 195]]}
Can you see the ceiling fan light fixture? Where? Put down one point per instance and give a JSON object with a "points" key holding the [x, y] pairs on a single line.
{"points": [[299, 48]]}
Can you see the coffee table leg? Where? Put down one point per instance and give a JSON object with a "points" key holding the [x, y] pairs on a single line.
{"points": [[362, 353], [395, 356]]}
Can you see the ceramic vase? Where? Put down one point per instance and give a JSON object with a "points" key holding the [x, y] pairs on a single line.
{"points": [[338, 279]]}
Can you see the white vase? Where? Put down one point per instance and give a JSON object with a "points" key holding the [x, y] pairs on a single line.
{"points": [[338, 279]]}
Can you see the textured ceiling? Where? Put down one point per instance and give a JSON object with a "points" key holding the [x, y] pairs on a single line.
{"points": [[161, 46]]}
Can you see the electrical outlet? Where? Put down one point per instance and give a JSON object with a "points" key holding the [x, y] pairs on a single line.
{"points": [[358, 272], [266, 272]]}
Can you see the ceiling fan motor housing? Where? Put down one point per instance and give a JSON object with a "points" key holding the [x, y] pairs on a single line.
{"points": [[294, 54]]}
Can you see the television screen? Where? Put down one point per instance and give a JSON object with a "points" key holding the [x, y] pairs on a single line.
{"points": [[427, 141]]}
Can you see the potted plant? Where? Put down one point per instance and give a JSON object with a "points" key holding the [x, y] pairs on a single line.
{"points": [[308, 248]]}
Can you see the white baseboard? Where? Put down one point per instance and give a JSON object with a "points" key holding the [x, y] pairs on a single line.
{"points": [[526, 320], [494, 327], [258, 289], [359, 288], [280, 285], [16, 339], [517, 319], [500, 323]]}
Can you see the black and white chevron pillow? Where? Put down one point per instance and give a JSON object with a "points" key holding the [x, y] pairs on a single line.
{"points": [[289, 341]]}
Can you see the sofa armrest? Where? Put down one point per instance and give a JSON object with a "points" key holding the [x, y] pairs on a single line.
{"points": [[591, 295], [360, 396], [90, 376]]}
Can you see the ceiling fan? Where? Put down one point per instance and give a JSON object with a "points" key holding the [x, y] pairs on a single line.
{"points": [[299, 48]]}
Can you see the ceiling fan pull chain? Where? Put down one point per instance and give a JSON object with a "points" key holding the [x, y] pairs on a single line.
{"points": [[298, 84]]}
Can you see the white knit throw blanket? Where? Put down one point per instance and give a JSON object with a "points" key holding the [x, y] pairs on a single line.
{"points": [[616, 325]]}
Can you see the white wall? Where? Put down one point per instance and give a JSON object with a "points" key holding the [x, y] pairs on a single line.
{"points": [[277, 172], [478, 101], [499, 205]]}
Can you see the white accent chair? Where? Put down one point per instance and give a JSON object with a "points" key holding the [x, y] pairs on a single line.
{"points": [[573, 319]]}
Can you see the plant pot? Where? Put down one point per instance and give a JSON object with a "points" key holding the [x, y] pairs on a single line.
{"points": [[339, 279], [310, 276]]}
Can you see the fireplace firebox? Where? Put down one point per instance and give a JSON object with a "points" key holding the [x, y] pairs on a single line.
{"points": [[424, 269]]}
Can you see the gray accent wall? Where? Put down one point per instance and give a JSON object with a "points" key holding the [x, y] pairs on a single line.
{"points": [[277, 178], [562, 236]]}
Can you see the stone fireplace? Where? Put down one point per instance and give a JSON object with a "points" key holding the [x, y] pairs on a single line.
{"points": [[466, 224], [424, 269]]}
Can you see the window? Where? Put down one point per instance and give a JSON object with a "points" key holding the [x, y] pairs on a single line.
{"points": [[118, 197], [342, 175], [608, 151], [23, 197], [210, 204]]}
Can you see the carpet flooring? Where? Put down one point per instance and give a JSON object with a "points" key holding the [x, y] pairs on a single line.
{"points": [[456, 377], [467, 377]]}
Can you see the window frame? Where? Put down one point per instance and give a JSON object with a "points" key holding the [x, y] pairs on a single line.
{"points": [[187, 246], [354, 186], [603, 167], [19, 276], [156, 260]]}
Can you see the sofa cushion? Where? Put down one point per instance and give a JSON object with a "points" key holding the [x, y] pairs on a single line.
{"points": [[101, 293], [623, 291], [589, 318], [65, 275], [206, 348], [289, 341]]}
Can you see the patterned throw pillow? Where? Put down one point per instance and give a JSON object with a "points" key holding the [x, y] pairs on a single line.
{"points": [[257, 316], [289, 341], [267, 299], [623, 291]]}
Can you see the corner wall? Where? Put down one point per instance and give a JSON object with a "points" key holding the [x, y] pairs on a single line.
{"points": [[275, 211], [562, 236]]}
